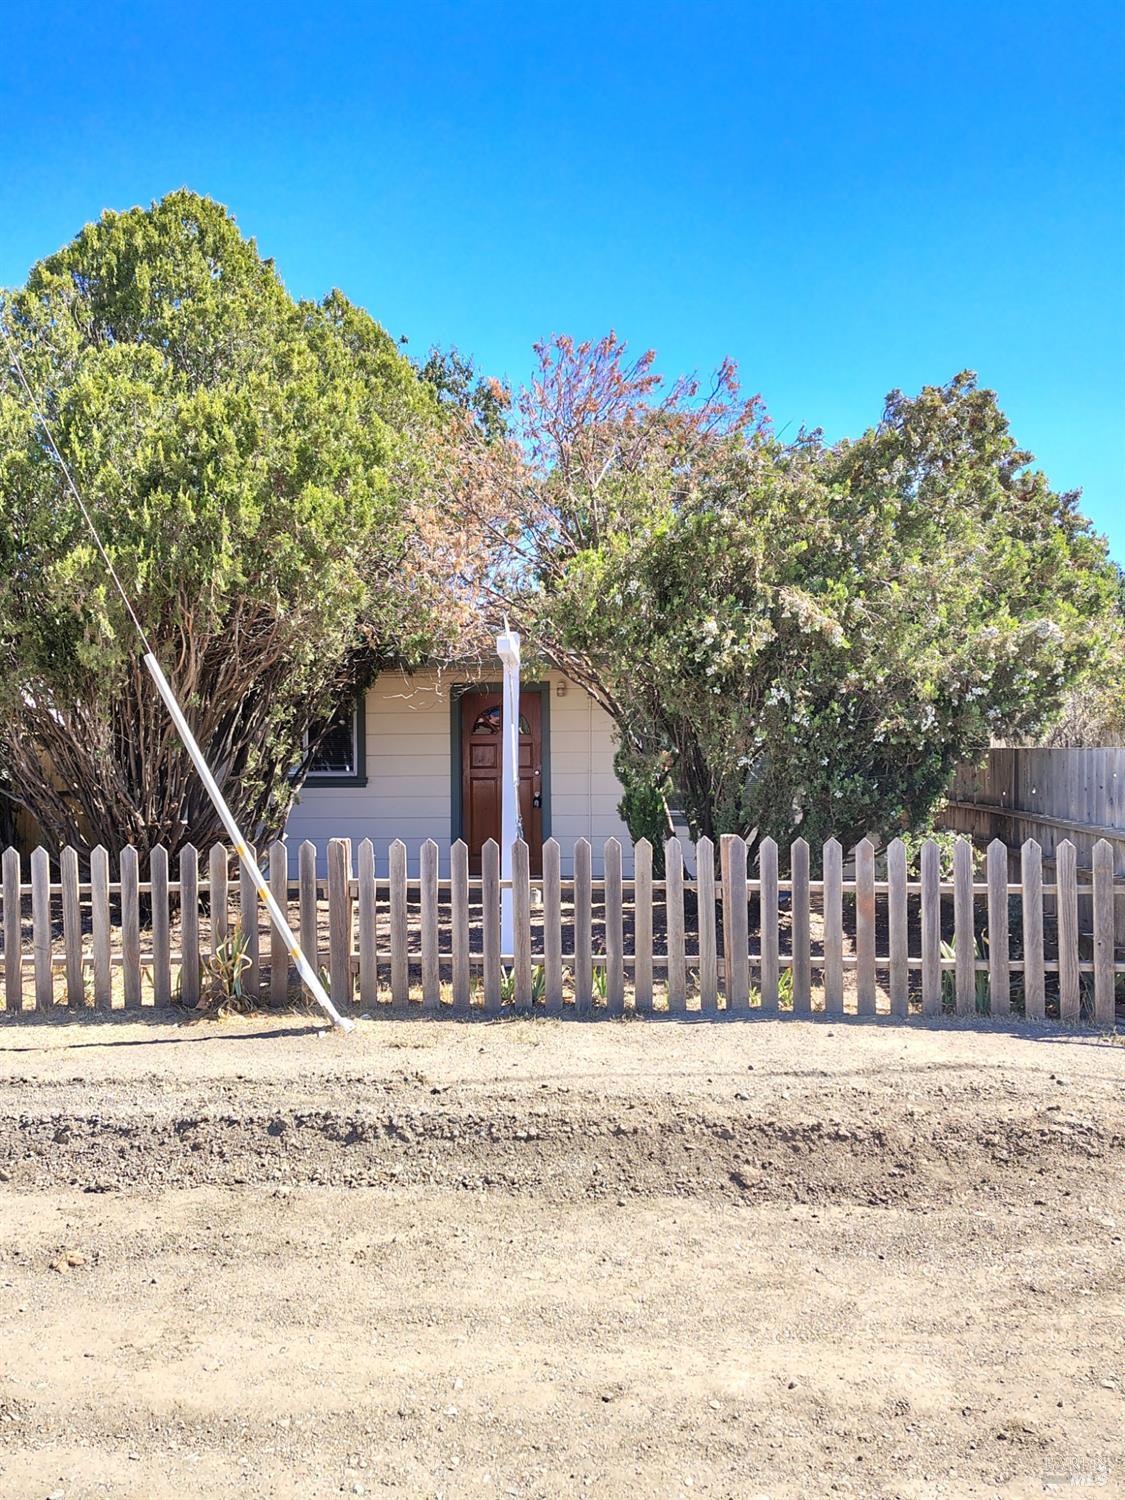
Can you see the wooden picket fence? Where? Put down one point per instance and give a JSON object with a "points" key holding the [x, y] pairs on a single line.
{"points": [[866, 938]]}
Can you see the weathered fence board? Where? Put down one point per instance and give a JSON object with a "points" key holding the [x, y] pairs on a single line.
{"points": [[999, 964], [339, 922], [400, 929], [490, 923], [101, 931], [1034, 977], [161, 931], [552, 928], [768, 924], [248, 919], [1066, 899], [614, 929], [898, 930], [1103, 933], [13, 935], [217, 866], [521, 924], [583, 928], [307, 899], [705, 919], [41, 928], [459, 870], [833, 893], [72, 927], [931, 929], [736, 927], [642, 926], [189, 925], [368, 925], [431, 975], [279, 951], [964, 930], [865, 927], [674, 926], [131, 926], [800, 909]]}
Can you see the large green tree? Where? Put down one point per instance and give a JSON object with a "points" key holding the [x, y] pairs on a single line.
{"points": [[250, 462], [1094, 712], [792, 637]]}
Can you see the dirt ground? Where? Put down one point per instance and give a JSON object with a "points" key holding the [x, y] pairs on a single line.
{"points": [[539, 1258]]}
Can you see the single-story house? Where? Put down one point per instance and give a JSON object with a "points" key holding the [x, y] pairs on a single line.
{"points": [[417, 757]]}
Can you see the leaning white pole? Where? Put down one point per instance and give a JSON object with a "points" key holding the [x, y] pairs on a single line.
{"points": [[508, 650], [277, 916]]}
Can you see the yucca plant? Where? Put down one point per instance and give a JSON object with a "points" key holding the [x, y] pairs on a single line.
{"points": [[225, 967], [980, 977], [785, 989], [508, 985]]}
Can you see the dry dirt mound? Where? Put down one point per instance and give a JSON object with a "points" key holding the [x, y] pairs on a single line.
{"points": [[553, 1141]]}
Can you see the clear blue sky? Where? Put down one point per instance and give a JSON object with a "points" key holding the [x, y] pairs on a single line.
{"points": [[845, 197]]}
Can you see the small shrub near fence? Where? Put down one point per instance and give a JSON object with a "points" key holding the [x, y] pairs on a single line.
{"points": [[867, 939]]}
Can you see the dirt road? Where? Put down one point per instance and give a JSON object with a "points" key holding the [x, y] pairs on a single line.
{"points": [[551, 1259]]}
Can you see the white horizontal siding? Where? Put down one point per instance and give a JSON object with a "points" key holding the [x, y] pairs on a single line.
{"points": [[409, 794], [584, 788]]}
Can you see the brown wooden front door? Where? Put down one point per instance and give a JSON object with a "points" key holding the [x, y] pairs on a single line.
{"points": [[481, 763]]}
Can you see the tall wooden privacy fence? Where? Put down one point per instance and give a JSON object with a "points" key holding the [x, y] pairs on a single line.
{"points": [[866, 937], [1047, 795]]}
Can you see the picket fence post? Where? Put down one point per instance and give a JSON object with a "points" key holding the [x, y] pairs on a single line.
{"points": [[72, 926], [1066, 909], [1034, 982], [897, 928], [769, 920], [552, 927], [339, 922], [736, 926], [615, 929], [100, 923], [1103, 933], [459, 874], [931, 929], [521, 924], [583, 919], [431, 978], [189, 925], [309, 906], [865, 927], [964, 929], [642, 927], [800, 910], [999, 957], [705, 919], [161, 930], [833, 893], [248, 918], [41, 928], [13, 934], [367, 917], [674, 926], [400, 961], [490, 917], [217, 890]]}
